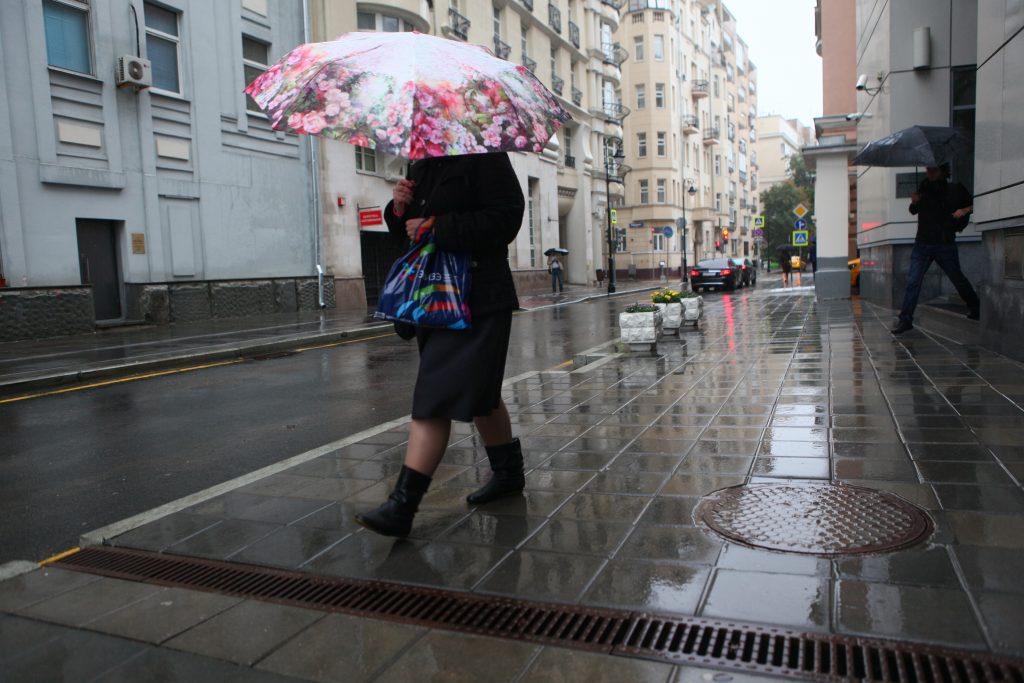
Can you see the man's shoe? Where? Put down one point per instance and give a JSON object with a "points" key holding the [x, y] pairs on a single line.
{"points": [[901, 327], [973, 314], [507, 478], [394, 517]]}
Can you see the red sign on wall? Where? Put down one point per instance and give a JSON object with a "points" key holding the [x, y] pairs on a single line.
{"points": [[371, 217]]}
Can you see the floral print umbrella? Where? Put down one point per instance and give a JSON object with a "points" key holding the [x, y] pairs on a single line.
{"points": [[410, 95]]}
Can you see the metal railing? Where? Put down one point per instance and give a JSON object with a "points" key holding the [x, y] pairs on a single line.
{"points": [[614, 111], [458, 24], [557, 84], [554, 17], [577, 96], [614, 4], [712, 133], [699, 88], [528, 4], [690, 121], [743, 176], [570, 161], [614, 53], [529, 63], [501, 48], [574, 34]]}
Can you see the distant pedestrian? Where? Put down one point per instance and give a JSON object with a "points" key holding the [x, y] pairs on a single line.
{"points": [[812, 256], [786, 263], [943, 209], [555, 268]]}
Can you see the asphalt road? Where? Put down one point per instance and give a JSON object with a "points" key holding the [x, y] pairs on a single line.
{"points": [[78, 461]]}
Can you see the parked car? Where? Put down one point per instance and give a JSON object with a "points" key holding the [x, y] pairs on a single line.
{"points": [[854, 266], [796, 262], [748, 271], [717, 273]]}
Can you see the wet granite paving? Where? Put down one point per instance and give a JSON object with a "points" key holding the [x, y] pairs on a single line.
{"points": [[773, 387]]}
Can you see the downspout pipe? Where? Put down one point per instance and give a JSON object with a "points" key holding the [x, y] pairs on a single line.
{"points": [[314, 170]]}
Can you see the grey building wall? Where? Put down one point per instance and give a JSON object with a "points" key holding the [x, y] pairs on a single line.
{"points": [[216, 193]]}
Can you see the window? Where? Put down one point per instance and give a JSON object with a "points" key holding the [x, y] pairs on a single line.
{"points": [[641, 96], [661, 143], [718, 164], [658, 241], [659, 95], [373, 21], [644, 193], [962, 115], [162, 47], [66, 25], [659, 47], [524, 40], [366, 21], [638, 49], [366, 159], [641, 145], [255, 59], [497, 21], [554, 62], [716, 86], [660, 191]]}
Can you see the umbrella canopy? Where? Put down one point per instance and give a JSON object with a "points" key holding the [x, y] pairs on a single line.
{"points": [[555, 250], [915, 146], [410, 95]]}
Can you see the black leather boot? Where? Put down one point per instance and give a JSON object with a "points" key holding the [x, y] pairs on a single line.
{"points": [[394, 517], [507, 478]]}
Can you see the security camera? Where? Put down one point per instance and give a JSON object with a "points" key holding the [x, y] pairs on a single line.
{"points": [[862, 82], [857, 116]]}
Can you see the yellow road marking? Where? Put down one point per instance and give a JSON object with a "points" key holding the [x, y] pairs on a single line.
{"points": [[341, 343], [563, 365], [59, 556]]}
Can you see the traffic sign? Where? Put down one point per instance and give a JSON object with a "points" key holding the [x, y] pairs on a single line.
{"points": [[615, 216], [800, 210], [801, 238], [667, 231], [758, 222], [800, 224], [758, 232]]}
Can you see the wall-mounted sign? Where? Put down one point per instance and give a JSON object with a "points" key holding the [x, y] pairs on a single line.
{"points": [[138, 243], [368, 217], [636, 225]]}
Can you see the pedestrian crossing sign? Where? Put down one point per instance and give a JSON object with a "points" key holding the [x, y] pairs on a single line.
{"points": [[758, 221], [614, 216], [801, 238]]}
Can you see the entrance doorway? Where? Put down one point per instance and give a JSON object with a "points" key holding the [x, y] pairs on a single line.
{"points": [[379, 251], [98, 265]]}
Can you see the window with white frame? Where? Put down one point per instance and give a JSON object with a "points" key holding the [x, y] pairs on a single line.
{"points": [[658, 241], [641, 145], [660, 191], [524, 40], [718, 164], [497, 21], [366, 159], [255, 60], [659, 95], [163, 47], [641, 96], [658, 47], [379, 21], [661, 143], [638, 48], [66, 26], [645, 197]]}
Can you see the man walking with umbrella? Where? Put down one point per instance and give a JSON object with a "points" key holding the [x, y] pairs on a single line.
{"points": [[942, 211], [555, 268]]}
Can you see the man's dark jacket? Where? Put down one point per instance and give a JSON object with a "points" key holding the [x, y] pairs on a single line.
{"points": [[478, 205], [935, 221]]}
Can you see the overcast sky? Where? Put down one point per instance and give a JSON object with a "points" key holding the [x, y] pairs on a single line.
{"points": [[780, 35]]}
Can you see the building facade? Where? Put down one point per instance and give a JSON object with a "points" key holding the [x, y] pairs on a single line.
{"points": [[121, 200], [692, 91], [778, 139], [949, 63], [568, 44]]}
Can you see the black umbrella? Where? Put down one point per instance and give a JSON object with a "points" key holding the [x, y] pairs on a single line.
{"points": [[915, 146], [555, 250]]}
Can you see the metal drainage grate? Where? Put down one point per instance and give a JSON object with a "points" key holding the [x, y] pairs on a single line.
{"points": [[678, 640], [815, 519]]}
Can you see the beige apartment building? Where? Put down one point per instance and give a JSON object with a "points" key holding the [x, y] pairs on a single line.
{"points": [[778, 138], [568, 44], [692, 92]]}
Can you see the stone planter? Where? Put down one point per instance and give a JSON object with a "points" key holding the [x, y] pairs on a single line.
{"points": [[671, 316], [693, 309], [640, 330]]}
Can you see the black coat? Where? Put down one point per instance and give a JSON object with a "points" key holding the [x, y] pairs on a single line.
{"points": [[478, 204], [935, 221]]}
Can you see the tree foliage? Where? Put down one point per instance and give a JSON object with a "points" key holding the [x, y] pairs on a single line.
{"points": [[779, 201]]}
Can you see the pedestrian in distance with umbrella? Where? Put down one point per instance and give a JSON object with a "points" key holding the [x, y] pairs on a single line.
{"points": [[555, 268]]}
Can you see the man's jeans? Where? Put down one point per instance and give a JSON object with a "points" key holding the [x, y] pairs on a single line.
{"points": [[949, 260], [556, 279]]}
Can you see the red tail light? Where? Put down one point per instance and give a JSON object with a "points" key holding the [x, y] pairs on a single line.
{"points": [[694, 273], [726, 272], [743, 267]]}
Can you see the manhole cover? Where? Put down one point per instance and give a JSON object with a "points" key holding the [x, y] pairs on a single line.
{"points": [[814, 519]]}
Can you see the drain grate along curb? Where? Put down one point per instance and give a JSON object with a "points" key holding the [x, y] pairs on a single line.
{"points": [[679, 640]]}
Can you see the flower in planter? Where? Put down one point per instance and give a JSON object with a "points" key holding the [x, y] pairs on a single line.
{"points": [[641, 308], [666, 296]]}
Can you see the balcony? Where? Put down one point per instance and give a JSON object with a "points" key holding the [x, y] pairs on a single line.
{"points": [[691, 124], [614, 54], [570, 162], [501, 49], [574, 34], [530, 64], [743, 176], [458, 24], [614, 4], [577, 96], [528, 4], [554, 17], [557, 85], [614, 112], [699, 89], [711, 136], [731, 132]]}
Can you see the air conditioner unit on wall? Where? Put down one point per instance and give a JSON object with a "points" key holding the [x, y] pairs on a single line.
{"points": [[133, 71]]}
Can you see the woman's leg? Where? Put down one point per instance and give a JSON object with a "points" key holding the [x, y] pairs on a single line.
{"points": [[428, 439], [504, 454], [495, 429]]}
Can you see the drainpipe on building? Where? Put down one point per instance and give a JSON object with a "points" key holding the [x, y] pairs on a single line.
{"points": [[314, 167]]}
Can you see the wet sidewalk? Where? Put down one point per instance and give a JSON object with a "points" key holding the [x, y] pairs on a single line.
{"points": [[774, 390], [123, 351]]}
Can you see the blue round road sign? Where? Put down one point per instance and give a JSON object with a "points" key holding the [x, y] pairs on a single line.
{"points": [[667, 231], [800, 224]]}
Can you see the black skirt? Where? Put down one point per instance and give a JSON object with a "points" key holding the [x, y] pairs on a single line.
{"points": [[461, 371]]}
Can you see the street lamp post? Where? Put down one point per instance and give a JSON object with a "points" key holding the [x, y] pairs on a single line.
{"points": [[611, 161], [692, 191]]}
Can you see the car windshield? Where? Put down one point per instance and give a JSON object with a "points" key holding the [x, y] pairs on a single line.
{"points": [[714, 263]]}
